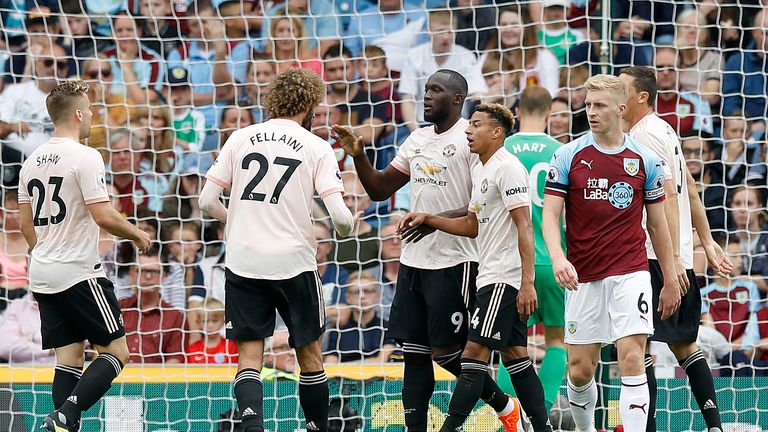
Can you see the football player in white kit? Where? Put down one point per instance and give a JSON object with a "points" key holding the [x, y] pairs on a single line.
{"points": [[499, 216], [63, 201], [684, 211], [436, 282], [273, 170]]}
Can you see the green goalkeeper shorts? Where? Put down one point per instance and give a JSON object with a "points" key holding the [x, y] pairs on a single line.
{"points": [[551, 311]]}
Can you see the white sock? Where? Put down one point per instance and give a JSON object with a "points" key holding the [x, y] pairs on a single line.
{"points": [[633, 402], [583, 400], [509, 408]]}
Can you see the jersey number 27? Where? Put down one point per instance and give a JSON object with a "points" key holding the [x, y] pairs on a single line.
{"points": [[250, 194]]}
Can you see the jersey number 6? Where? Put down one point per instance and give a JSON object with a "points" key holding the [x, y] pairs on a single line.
{"points": [[250, 194]]}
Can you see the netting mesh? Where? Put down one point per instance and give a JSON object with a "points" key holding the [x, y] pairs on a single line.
{"points": [[170, 80]]}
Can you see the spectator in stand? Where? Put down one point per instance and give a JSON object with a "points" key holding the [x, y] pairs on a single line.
{"points": [[560, 120], [475, 21], [325, 116], [555, 34], [683, 110], [188, 122], [13, 250], [377, 79], [756, 344], [395, 26], [319, 23], [42, 31], [332, 276], [363, 111], [79, 39], [232, 118], [289, 47], [184, 247], [639, 23], [699, 62], [727, 304], [24, 120], [241, 17], [744, 76], [184, 190], [100, 12], [153, 328], [502, 87], [156, 122], [158, 28], [426, 59], [708, 173], [109, 110], [742, 160], [360, 250], [212, 348], [209, 275], [279, 358], [137, 190], [139, 74], [390, 266], [197, 54], [261, 71], [362, 337], [20, 333], [624, 53], [517, 50], [572, 80], [749, 222]]}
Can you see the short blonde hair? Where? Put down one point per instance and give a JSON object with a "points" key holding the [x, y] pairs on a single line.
{"points": [[213, 307], [610, 83]]}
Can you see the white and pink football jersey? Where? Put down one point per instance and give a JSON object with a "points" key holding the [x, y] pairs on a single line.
{"points": [[272, 170], [58, 180]]}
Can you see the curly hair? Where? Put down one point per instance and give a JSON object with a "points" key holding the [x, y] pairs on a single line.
{"points": [[500, 114], [62, 100], [294, 91]]}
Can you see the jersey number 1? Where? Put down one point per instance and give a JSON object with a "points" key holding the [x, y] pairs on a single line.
{"points": [[250, 194], [37, 184]]}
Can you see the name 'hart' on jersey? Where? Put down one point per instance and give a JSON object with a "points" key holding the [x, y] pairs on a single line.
{"points": [[605, 192]]}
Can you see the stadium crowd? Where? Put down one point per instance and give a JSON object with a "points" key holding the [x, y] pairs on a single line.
{"points": [[170, 80]]}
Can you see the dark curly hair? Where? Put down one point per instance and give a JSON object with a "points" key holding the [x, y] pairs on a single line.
{"points": [[294, 91], [500, 114]]}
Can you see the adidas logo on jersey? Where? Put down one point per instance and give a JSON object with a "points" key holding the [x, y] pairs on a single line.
{"points": [[72, 399], [248, 412], [709, 405], [228, 326], [496, 336], [312, 426]]}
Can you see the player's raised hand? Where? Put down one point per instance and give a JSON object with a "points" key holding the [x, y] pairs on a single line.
{"points": [[718, 260], [682, 277], [669, 298], [142, 241], [351, 144], [565, 274], [527, 302]]}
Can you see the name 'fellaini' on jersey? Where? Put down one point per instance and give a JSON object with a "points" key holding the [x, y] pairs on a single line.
{"points": [[605, 192]]}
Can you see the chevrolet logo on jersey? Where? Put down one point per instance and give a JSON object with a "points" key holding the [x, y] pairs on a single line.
{"points": [[477, 206], [430, 168]]}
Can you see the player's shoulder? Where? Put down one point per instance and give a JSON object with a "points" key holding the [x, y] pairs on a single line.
{"points": [[634, 146], [654, 127], [570, 150]]}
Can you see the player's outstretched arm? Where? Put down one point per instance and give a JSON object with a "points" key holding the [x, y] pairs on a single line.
{"points": [[27, 225], [343, 220], [465, 226], [658, 231], [527, 303], [565, 272], [413, 234], [716, 257], [116, 224], [672, 213], [380, 185], [210, 203]]}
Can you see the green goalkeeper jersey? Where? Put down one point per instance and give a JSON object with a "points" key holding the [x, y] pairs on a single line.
{"points": [[535, 150]]}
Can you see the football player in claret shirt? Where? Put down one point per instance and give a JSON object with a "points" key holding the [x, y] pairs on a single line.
{"points": [[684, 212], [436, 282], [499, 216], [604, 180]]}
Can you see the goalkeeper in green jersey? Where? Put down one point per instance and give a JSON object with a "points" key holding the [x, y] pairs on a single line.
{"points": [[535, 148]]}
